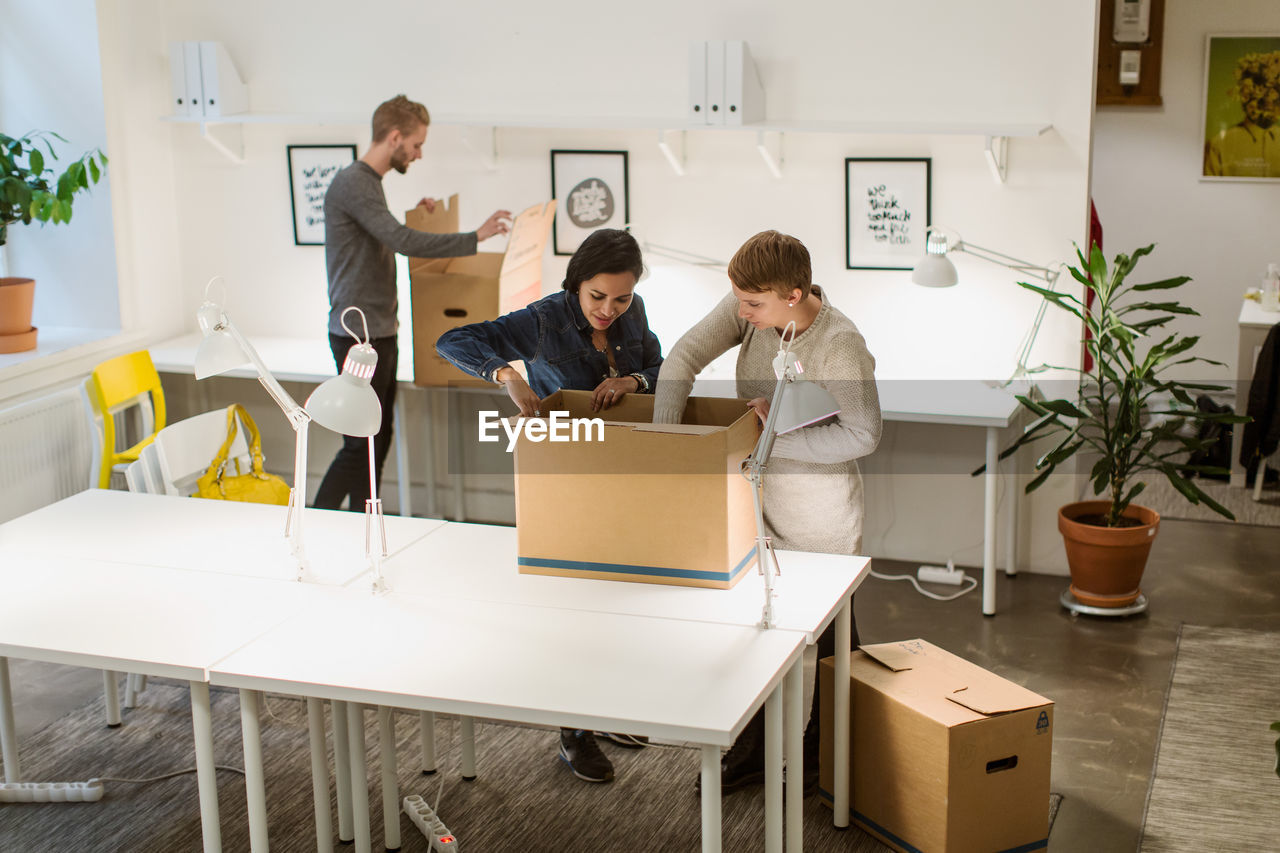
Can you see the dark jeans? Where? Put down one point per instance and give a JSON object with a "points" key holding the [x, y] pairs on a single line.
{"points": [[348, 474]]}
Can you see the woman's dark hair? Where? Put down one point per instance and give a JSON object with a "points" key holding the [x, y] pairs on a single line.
{"points": [[608, 250]]}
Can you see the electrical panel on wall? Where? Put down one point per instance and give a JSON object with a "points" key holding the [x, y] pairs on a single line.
{"points": [[1129, 37], [724, 88]]}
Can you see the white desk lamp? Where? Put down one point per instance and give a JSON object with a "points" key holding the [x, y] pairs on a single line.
{"points": [[344, 404], [795, 404], [936, 270]]}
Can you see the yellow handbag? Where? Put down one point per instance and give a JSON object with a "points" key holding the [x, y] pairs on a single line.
{"points": [[257, 486]]}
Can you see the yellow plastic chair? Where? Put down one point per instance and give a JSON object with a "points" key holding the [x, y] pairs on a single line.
{"points": [[113, 387]]}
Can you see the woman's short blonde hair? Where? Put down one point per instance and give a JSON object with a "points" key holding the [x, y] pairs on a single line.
{"points": [[772, 261]]}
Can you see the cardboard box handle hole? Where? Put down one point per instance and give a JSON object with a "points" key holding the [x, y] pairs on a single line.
{"points": [[455, 312], [1002, 764]]}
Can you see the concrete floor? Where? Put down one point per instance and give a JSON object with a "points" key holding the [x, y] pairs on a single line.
{"points": [[1107, 676]]}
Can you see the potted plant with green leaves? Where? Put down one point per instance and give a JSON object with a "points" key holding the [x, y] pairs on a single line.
{"points": [[31, 189], [1129, 411]]}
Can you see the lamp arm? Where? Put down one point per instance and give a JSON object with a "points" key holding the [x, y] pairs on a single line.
{"points": [[295, 413], [754, 467], [994, 257]]}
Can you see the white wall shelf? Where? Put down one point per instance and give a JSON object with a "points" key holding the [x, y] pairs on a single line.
{"points": [[996, 133]]}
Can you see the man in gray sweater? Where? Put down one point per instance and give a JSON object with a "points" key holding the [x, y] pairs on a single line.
{"points": [[361, 239]]}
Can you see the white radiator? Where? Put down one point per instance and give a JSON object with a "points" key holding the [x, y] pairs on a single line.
{"points": [[45, 452]]}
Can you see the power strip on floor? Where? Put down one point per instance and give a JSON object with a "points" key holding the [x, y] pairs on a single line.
{"points": [[423, 817], [50, 792], [941, 574]]}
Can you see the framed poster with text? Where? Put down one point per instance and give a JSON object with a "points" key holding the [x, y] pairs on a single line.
{"points": [[311, 170], [886, 212]]}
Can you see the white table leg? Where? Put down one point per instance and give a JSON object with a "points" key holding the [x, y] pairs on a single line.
{"points": [[342, 769], [402, 455], [773, 772], [793, 689], [206, 773], [840, 708], [467, 735], [130, 690], [710, 799], [1011, 517], [990, 482], [255, 784], [111, 694], [427, 731], [320, 776], [390, 788], [429, 464], [359, 779], [8, 734], [452, 402]]}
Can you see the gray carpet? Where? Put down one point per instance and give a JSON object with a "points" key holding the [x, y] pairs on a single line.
{"points": [[523, 800], [1170, 503], [1214, 786]]}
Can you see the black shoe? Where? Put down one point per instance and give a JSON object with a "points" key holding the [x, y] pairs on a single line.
{"points": [[743, 765], [625, 741], [579, 750]]}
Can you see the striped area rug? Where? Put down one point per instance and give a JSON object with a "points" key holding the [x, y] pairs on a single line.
{"points": [[1214, 786], [524, 799]]}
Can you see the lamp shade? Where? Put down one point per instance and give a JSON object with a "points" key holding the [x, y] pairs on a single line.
{"points": [[347, 404], [802, 405], [934, 271], [217, 353]]}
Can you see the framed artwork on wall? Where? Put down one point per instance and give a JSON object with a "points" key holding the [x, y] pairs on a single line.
{"points": [[311, 170], [591, 192], [886, 211], [1241, 132]]}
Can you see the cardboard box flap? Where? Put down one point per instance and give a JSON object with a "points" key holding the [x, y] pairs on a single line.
{"points": [[520, 279], [898, 656], [994, 695], [442, 220], [679, 429]]}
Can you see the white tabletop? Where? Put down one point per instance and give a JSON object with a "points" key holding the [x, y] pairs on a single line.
{"points": [[478, 562], [228, 537], [1252, 314], [145, 619], [539, 665], [289, 359]]}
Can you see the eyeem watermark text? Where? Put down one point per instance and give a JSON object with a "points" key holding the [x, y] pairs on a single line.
{"points": [[557, 427]]}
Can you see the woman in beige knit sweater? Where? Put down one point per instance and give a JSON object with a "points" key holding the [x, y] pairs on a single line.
{"points": [[812, 490]]}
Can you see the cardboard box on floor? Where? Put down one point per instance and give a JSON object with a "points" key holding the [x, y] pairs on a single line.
{"points": [[944, 755], [449, 292], [650, 502]]}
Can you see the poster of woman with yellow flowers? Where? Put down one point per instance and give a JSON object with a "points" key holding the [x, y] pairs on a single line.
{"points": [[1242, 108]]}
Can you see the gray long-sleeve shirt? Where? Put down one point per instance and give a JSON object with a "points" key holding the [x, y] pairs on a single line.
{"points": [[361, 239]]}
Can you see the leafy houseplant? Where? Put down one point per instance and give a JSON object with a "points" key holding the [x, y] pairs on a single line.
{"points": [[1128, 411], [31, 189]]}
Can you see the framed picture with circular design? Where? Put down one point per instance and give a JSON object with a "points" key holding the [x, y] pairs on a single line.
{"points": [[591, 192]]}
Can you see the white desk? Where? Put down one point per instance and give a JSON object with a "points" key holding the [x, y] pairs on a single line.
{"points": [[1254, 326], [308, 360], [73, 610], [227, 537], [629, 673]]}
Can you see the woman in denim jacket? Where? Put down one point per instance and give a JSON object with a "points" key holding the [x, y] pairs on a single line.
{"points": [[592, 336]]}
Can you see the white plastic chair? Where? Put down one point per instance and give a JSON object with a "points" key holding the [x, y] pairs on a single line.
{"points": [[184, 450], [143, 476]]}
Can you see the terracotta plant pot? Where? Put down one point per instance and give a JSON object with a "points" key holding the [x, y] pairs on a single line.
{"points": [[16, 332], [1106, 562]]}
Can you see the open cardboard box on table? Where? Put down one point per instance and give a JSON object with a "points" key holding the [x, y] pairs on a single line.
{"points": [[944, 755], [449, 292], [650, 502]]}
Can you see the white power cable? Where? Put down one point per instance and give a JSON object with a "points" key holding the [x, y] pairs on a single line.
{"points": [[973, 583]]}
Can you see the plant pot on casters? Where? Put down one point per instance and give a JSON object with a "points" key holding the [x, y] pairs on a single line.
{"points": [[1134, 416], [1107, 563], [16, 332], [34, 191]]}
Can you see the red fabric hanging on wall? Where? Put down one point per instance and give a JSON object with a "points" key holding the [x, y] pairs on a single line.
{"points": [[1095, 239]]}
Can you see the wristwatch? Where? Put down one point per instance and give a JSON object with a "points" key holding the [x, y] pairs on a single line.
{"points": [[643, 380]]}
